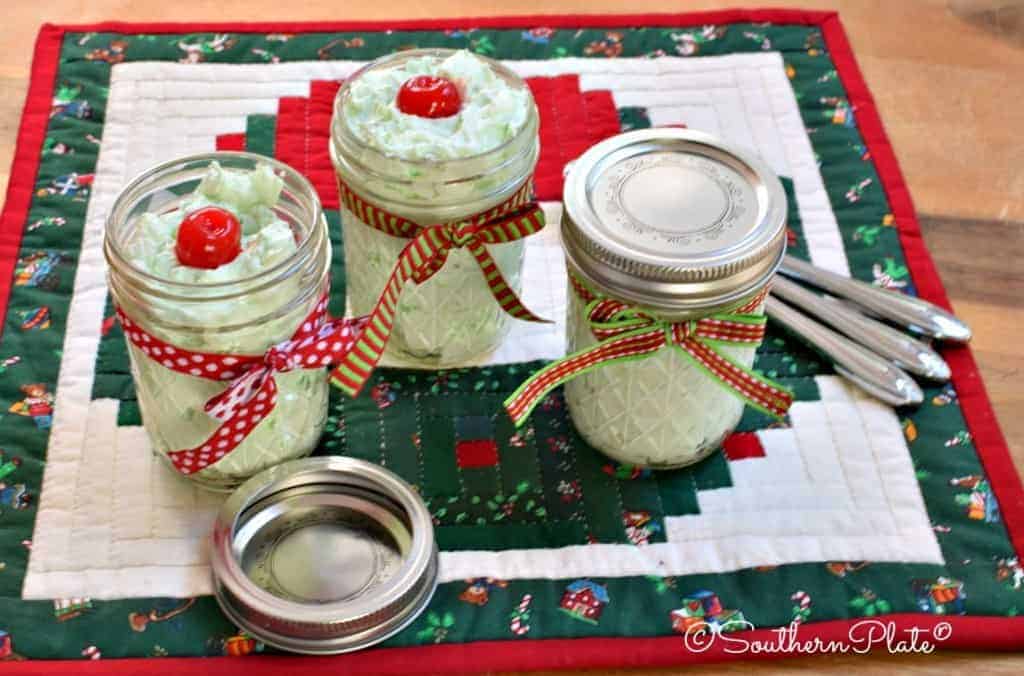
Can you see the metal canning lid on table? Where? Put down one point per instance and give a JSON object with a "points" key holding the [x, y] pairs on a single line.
{"points": [[324, 555]]}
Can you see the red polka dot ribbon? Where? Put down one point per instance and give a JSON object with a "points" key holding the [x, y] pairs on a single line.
{"points": [[423, 256], [252, 393], [628, 333]]}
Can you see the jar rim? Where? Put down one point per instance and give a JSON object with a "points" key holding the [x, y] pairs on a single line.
{"points": [[657, 257], [345, 131], [136, 189]]}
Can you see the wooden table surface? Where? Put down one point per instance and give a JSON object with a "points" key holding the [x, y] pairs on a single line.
{"points": [[950, 91]]}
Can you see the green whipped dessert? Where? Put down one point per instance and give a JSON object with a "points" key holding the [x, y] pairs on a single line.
{"points": [[491, 111], [669, 412], [266, 240], [225, 232]]}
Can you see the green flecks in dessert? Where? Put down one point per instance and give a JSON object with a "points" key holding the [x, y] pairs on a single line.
{"points": [[250, 196], [492, 111]]}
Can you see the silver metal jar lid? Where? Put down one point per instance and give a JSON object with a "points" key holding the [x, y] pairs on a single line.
{"points": [[673, 219], [323, 555]]}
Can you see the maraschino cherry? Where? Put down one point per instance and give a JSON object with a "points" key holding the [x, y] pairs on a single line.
{"points": [[429, 96], [208, 238]]}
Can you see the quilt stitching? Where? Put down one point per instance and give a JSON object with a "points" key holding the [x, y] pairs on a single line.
{"points": [[295, 110], [934, 494]]}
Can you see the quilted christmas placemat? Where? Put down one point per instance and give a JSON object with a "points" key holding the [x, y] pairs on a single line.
{"points": [[551, 554]]}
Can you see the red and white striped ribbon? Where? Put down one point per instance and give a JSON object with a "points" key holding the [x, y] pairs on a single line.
{"points": [[628, 333], [252, 392], [423, 256]]}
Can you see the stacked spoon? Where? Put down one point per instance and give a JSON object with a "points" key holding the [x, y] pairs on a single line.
{"points": [[871, 354]]}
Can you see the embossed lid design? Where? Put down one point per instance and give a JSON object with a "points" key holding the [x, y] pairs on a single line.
{"points": [[323, 555], [674, 220]]}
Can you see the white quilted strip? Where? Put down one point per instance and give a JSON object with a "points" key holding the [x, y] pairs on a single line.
{"points": [[809, 518]]}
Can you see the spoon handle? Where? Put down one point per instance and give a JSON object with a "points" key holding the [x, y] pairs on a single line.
{"points": [[909, 354], [857, 364], [918, 315]]}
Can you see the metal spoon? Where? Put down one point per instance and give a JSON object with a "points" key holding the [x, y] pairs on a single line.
{"points": [[875, 375], [899, 348], [917, 315]]}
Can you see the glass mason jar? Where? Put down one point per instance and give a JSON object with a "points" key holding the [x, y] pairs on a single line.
{"points": [[239, 317], [678, 226], [452, 318]]}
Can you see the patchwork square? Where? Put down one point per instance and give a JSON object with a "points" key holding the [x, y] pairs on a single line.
{"points": [[476, 453], [742, 445], [470, 427]]}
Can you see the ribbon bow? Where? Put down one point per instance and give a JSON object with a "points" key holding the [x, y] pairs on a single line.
{"points": [[628, 333], [252, 392], [423, 256]]}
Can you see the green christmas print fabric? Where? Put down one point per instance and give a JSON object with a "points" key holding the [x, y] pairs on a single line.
{"points": [[541, 486]]}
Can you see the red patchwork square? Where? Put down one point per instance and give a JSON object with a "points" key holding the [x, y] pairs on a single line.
{"points": [[742, 445], [476, 453], [231, 141]]}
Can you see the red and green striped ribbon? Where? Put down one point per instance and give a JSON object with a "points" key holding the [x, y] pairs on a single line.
{"points": [[628, 333], [423, 256]]}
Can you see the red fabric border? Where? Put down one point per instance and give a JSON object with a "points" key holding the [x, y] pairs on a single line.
{"points": [[35, 117], [966, 633], [781, 16], [974, 402], [977, 633]]}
